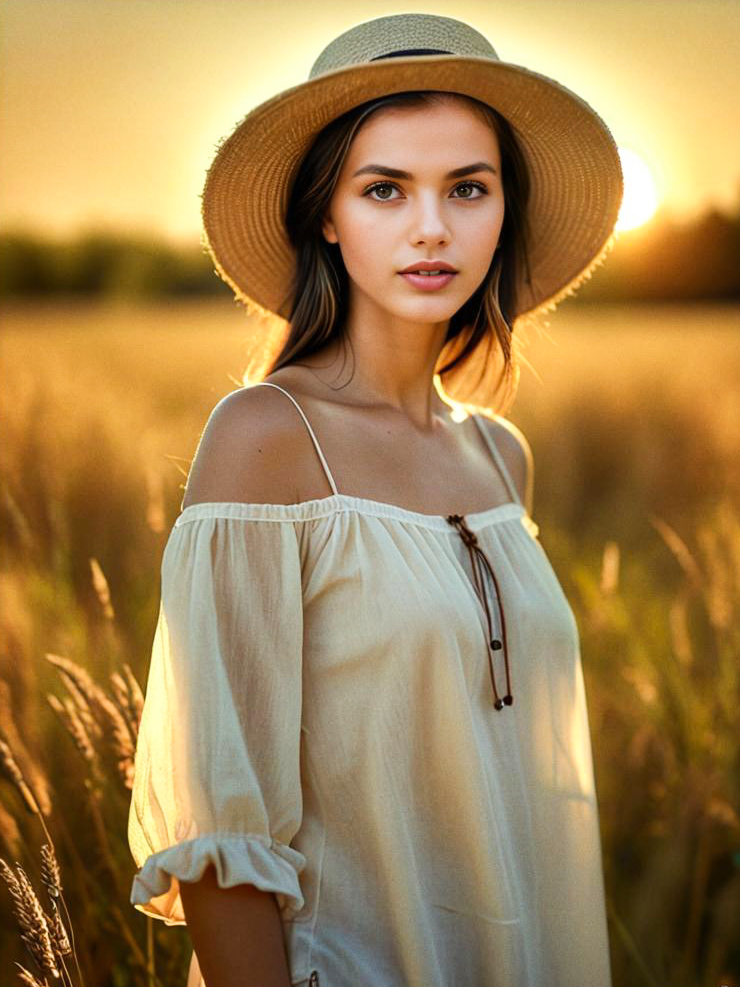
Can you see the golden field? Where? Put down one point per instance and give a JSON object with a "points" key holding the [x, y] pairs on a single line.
{"points": [[633, 416]]}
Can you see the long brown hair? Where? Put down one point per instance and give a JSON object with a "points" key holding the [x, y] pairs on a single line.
{"points": [[480, 333]]}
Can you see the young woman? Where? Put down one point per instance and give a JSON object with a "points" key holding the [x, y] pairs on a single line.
{"points": [[364, 755]]}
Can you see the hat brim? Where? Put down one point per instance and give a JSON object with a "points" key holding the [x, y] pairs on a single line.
{"points": [[573, 162]]}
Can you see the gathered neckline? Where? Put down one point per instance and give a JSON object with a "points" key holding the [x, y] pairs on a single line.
{"points": [[309, 510]]}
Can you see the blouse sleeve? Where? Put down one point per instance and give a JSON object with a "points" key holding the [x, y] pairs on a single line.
{"points": [[216, 771]]}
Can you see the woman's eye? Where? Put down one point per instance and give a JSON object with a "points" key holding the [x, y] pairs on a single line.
{"points": [[471, 185], [380, 185], [390, 186]]}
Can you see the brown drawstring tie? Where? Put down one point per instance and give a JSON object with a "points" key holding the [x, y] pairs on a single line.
{"points": [[478, 558]]}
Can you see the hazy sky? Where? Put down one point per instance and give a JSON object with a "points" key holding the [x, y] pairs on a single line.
{"points": [[110, 110]]}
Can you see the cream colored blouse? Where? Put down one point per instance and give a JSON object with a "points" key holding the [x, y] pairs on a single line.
{"points": [[320, 722]]}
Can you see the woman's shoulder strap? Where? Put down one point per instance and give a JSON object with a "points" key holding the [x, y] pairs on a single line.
{"points": [[497, 458], [330, 478]]}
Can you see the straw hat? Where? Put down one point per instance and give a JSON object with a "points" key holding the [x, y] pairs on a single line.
{"points": [[572, 158]]}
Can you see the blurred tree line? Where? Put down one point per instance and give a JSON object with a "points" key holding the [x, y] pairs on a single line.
{"points": [[663, 260], [103, 264], [668, 260]]}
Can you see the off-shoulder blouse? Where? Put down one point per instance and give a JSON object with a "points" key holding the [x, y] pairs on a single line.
{"points": [[320, 722]]}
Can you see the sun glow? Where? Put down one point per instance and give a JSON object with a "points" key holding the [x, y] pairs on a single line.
{"points": [[640, 195]]}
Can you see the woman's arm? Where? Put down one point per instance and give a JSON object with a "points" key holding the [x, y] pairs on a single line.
{"points": [[217, 793], [236, 933]]}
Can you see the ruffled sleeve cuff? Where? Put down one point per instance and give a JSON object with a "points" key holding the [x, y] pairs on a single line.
{"points": [[238, 859]]}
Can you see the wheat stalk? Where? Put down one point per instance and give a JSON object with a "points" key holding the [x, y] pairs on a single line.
{"points": [[114, 724], [13, 772], [33, 776], [52, 880], [102, 590], [31, 919], [123, 701], [68, 714], [83, 709], [10, 831], [28, 978], [50, 868], [136, 696]]}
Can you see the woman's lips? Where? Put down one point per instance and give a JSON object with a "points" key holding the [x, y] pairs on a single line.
{"points": [[429, 282]]}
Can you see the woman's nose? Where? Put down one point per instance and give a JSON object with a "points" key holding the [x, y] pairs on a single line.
{"points": [[429, 224]]}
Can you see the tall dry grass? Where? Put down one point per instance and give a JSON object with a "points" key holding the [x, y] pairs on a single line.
{"points": [[635, 426]]}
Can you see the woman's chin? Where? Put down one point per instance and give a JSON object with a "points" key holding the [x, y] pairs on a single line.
{"points": [[425, 307]]}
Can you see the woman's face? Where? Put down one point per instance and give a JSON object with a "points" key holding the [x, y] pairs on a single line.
{"points": [[384, 223]]}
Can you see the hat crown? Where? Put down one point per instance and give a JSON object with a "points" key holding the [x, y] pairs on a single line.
{"points": [[402, 34]]}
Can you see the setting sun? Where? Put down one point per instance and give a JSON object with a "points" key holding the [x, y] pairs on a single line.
{"points": [[640, 195]]}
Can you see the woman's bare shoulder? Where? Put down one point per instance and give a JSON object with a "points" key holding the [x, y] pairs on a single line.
{"points": [[516, 451], [250, 451]]}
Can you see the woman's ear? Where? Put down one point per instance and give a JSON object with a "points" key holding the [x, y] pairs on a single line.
{"points": [[327, 228]]}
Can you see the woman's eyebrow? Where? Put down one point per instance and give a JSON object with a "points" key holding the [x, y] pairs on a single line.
{"points": [[377, 169]]}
